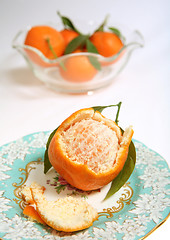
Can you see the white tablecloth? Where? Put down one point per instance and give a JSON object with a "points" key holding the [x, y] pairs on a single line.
{"points": [[27, 105]]}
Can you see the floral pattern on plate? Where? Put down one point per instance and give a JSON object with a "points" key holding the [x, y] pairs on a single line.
{"points": [[146, 206]]}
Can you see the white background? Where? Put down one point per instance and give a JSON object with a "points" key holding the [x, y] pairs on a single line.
{"points": [[27, 106]]}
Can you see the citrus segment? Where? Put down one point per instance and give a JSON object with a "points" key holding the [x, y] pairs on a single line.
{"points": [[89, 150]]}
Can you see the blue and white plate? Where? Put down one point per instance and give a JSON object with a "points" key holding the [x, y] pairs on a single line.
{"points": [[137, 209]]}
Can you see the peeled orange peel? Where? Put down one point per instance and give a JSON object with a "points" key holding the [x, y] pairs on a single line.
{"points": [[65, 214], [27, 195], [89, 150], [33, 215]]}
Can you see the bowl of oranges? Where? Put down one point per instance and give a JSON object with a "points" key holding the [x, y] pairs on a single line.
{"points": [[76, 57]]}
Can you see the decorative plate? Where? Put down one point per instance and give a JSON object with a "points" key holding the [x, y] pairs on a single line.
{"points": [[137, 209]]}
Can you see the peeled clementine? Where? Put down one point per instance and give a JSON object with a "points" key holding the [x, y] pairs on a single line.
{"points": [[38, 36], [89, 150]]}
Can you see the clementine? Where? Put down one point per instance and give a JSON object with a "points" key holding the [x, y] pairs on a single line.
{"points": [[107, 43], [89, 150], [77, 69], [40, 37], [68, 35]]}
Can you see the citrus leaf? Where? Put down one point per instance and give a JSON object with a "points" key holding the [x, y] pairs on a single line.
{"points": [[79, 41], [47, 164], [117, 32], [126, 172], [90, 47], [101, 27], [101, 108], [93, 60], [67, 23]]}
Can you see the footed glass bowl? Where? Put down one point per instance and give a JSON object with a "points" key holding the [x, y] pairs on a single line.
{"points": [[68, 73]]}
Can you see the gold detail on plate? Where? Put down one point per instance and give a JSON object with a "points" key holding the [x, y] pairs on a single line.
{"points": [[156, 227], [18, 186], [124, 199]]}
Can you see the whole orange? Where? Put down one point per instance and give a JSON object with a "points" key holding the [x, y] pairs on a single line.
{"points": [[68, 35], [89, 150], [38, 36], [77, 69], [107, 43]]}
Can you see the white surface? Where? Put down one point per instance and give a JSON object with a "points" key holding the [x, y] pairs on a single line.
{"points": [[27, 106]]}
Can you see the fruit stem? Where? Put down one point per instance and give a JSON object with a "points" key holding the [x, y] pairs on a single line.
{"points": [[117, 114], [101, 27], [51, 48]]}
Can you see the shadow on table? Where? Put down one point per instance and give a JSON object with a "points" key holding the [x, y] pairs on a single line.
{"points": [[23, 76]]}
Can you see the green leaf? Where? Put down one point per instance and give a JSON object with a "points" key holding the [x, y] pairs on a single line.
{"points": [[101, 108], [101, 27], [77, 42], [117, 32], [94, 62], [91, 48], [68, 23], [126, 172], [47, 164]]}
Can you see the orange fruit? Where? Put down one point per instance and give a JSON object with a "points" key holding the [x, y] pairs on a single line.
{"points": [[89, 150], [37, 37], [107, 43], [68, 35], [77, 69]]}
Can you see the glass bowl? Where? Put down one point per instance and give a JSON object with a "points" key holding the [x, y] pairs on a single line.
{"points": [[51, 71]]}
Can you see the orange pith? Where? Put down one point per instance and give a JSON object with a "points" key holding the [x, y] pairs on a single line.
{"points": [[65, 214], [88, 150], [37, 37]]}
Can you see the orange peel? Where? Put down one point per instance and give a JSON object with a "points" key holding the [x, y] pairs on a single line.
{"points": [[65, 214], [33, 215]]}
